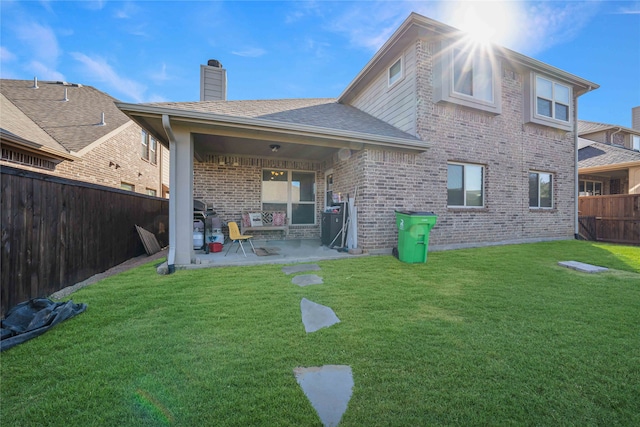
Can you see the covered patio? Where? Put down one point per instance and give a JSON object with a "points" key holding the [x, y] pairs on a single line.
{"points": [[224, 153]]}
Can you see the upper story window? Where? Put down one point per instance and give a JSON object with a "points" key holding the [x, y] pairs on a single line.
{"points": [[395, 72], [148, 147], [548, 102], [635, 142], [472, 75], [552, 99], [468, 77]]}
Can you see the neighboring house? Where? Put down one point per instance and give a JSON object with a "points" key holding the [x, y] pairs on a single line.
{"points": [[484, 138], [608, 158], [75, 131]]}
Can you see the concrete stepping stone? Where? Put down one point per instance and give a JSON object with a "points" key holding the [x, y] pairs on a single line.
{"points": [[290, 269], [329, 390], [580, 266], [307, 279], [316, 316]]}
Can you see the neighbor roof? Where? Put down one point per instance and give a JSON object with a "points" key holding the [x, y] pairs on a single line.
{"points": [[598, 154], [317, 112], [586, 127], [74, 124]]}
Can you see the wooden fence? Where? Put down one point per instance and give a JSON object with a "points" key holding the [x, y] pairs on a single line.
{"points": [[613, 218], [57, 232]]}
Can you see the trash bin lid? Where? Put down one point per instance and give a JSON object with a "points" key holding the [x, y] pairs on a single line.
{"points": [[417, 213]]}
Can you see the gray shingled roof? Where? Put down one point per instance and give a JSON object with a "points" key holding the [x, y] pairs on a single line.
{"points": [[320, 112], [73, 123], [15, 122], [598, 154], [586, 127]]}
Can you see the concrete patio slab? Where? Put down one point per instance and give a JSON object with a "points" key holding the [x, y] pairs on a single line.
{"points": [[580, 266], [290, 269], [316, 316], [329, 390], [307, 279]]}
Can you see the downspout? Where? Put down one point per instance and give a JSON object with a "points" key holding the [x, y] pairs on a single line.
{"points": [[611, 139], [171, 256], [576, 180]]}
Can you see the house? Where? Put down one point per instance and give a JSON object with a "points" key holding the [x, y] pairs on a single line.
{"points": [[609, 158], [76, 131], [484, 137]]}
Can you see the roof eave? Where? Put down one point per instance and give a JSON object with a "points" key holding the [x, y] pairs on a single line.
{"points": [[32, 147], [270, 126]]}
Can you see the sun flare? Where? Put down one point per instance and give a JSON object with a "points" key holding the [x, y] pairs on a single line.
{"points": [[484, 21]]}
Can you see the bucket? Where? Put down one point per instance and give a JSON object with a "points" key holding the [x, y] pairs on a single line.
{"points": [[198, 239], [215, 247]]}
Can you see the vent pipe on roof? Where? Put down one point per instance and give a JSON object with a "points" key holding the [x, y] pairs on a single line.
{"points": [[35, 83], [102, 122], [66, 98]]}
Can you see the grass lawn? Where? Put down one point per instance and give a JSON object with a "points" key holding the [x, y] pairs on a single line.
{"points": [[491, 336]]}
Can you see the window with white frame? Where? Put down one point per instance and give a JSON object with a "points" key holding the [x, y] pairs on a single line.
{"points": [[395, 72], [590, 188], [468, 76], [552, 99], [472, 75], [328, 188], [540, 190], [465, 185], [127, 186], [292, 192], [148, 147], [635, 142]]}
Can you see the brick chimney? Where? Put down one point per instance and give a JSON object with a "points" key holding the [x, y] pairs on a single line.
{"points": [[635, 117], [213, 81]]}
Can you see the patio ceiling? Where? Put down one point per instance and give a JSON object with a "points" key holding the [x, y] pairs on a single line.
{"points": [[205, 144]]}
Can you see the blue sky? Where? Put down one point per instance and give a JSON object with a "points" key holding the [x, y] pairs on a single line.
{"points": [[148, 51]]}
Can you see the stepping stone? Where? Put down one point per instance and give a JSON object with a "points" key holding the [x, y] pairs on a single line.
{"points": [[580, 266], [290, 269], [316, 316], [328, 388], [307, 279]]}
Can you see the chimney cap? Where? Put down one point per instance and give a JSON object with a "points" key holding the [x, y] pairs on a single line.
{"points": [[214, 63]]}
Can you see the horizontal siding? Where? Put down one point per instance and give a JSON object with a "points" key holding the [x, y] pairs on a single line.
{"points": [[214, 84], [395, 105]]}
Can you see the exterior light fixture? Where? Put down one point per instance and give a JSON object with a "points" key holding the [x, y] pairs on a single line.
{"points": [[274, 147]]}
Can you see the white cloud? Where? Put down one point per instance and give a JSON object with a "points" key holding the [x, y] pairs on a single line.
{"points": [[6, 55], [127, 11], [43, 72], [160, 76], [40, 41], [251, 52], [100, 70]]}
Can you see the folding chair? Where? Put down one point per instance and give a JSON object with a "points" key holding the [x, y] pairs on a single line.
{"points": [[235, 236]]}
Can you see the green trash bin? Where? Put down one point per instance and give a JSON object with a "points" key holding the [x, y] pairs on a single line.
{"points": [[413, 235]]}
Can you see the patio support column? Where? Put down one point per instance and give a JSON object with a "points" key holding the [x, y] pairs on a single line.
{"points": [[180, 195]]}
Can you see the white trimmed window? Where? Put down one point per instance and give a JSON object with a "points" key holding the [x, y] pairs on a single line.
{"points": [[635, 142], [127, 186], [540, 190], [590, 188], [468, 77], [151, 192], [552, 99], [465, 185], [395, 72], [292, 192], [148, 147], [472, 75]]}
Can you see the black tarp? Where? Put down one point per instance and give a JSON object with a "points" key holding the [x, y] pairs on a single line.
{"points": [[35, 317]]}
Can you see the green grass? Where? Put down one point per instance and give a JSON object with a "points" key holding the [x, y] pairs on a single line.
{"points": [[490, 336]]}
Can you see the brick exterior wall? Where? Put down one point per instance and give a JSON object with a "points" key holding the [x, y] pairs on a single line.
{"points": [[506, 147], [386, 180], [230, 190], [122, 149]]}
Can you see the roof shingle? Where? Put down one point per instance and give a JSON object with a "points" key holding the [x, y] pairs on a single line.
{"points": [[598, 154]]}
